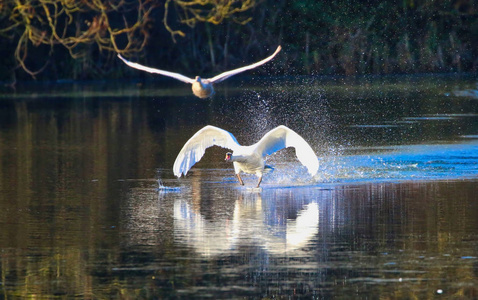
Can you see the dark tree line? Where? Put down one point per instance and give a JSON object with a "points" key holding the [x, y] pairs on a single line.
{"points": [[380, 37], [318, 37]]}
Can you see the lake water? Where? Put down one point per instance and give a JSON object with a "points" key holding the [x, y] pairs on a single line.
{"points": [[90, 208]]}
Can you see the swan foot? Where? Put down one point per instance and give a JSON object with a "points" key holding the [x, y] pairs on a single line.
{"points": [[240, 179], [259, 182]]}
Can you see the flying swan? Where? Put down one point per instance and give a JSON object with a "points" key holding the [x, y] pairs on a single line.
{"points": [[247, 159], [202, 88]]}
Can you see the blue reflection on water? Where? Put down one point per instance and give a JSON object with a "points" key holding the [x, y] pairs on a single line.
{"points": [[412, 162]]}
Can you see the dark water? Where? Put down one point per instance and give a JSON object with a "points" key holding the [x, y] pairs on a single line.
{"points": [[392, 214]]}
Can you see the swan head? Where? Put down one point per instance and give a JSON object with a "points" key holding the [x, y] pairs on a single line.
{"points": [[228, 156]]}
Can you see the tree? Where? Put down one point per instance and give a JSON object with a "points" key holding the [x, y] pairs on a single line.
{"points": [[209, 11], [115, 26]]}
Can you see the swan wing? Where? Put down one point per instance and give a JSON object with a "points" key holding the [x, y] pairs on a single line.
{"points": [[157, 71], [282, 137], [196, 146], [228, 74]]}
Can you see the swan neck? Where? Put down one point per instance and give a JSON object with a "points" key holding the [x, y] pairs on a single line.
{"points": [[238, 158]]}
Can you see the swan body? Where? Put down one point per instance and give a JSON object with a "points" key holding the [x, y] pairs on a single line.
{"points": [[247, 159], [202, 88]]}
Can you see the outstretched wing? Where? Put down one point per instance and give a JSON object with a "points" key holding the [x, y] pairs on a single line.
{"points": [[228, 74], [157, 71], [196, 146], [282, 137]]}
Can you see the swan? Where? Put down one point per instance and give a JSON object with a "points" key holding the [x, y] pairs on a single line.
{"points": [[247, 159], [202, 88]]}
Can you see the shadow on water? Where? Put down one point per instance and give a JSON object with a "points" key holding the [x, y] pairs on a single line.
{"points": [[391, 214]]}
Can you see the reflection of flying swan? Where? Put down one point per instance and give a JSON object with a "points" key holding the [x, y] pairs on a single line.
{"points": [[248, 159], [202, 88]]}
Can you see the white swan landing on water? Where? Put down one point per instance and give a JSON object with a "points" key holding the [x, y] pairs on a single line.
{"points": [[202, 88], [247, 159]]}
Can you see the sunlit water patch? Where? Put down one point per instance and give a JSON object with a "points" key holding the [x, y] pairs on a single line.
{"points": [[410, 162], [471, 93]]}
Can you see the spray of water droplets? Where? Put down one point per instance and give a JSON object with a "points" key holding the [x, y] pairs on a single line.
{"points": [[296, 102]]}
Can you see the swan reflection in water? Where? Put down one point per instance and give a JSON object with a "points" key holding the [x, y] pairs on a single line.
{"points": [[254, 222]]}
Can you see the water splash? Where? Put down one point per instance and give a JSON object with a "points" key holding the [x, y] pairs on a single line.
{"points": [[399, 163], [163, 188], [298, 103]]}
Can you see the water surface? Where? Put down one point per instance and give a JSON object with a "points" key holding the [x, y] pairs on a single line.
{"points": [[90, 208]]}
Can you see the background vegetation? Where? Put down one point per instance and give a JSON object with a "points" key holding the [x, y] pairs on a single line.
{"points": [[65, 39]]}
